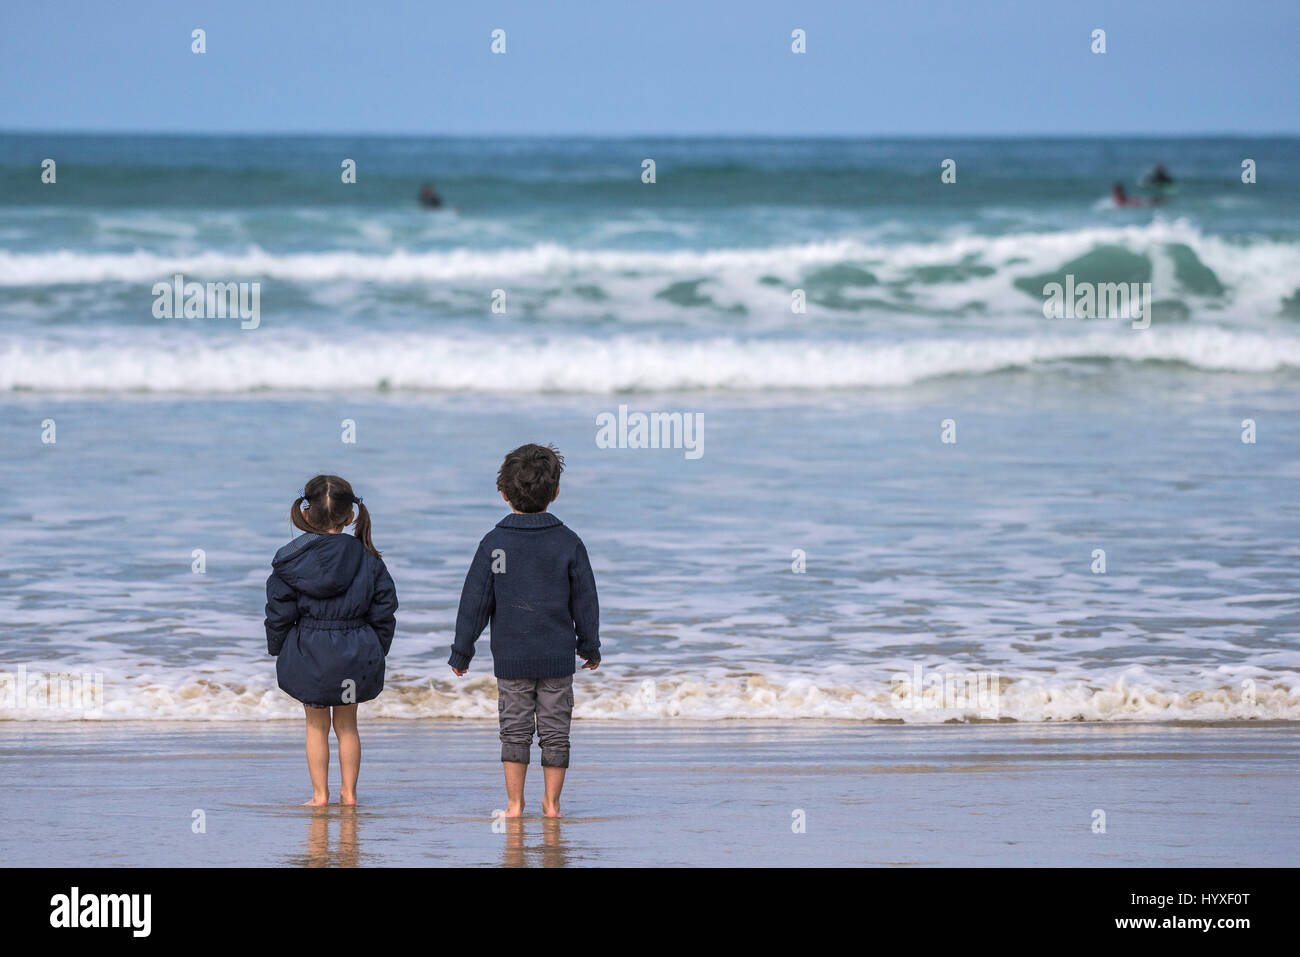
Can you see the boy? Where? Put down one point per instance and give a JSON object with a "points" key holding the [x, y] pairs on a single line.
{"points": [[531, 578]]}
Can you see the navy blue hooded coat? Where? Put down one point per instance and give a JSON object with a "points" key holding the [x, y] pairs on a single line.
{"points": [[330, 614]]}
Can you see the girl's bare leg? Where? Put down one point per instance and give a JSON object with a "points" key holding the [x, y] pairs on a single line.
{"points": [[345, 730], [318, 754]]}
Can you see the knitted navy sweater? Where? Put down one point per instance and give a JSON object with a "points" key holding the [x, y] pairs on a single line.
{"points": [[531, 579]]}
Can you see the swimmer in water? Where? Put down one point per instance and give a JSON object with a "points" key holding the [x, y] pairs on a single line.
{"points": [[1159, 176], [429, 197]]}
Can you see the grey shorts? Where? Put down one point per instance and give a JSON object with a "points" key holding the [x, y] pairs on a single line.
{"points": [[535, 705]]}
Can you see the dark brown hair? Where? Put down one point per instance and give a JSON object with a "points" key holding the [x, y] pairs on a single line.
{"points": [[530, 477], [330, 500]]}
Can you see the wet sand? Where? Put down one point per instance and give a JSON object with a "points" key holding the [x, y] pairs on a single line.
{"points": [[720, 793]]}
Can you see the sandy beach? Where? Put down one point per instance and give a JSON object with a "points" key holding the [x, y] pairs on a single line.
{"points": [[697, 794]]}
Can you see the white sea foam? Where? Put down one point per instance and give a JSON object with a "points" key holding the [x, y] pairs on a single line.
{"points": [[1250, 694], [399, 265], [249, 361]]}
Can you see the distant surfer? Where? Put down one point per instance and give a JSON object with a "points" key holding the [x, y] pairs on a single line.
{"points": [[429, 197], [1158, 178]]}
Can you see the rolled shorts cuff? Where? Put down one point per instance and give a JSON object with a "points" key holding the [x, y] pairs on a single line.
{"points": [[555, 757], [517, 753]]}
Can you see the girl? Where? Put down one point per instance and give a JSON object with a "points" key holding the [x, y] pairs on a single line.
{"points": [[330, 614]]}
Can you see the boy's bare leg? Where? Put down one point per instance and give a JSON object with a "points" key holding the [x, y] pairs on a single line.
{"points": [[345, 730], [554, 785], [515, 775], [318, 754]]}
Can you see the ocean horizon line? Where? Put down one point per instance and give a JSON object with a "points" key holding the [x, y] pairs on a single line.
{"points": [[768, 136]]}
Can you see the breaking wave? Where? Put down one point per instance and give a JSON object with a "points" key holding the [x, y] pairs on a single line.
{"points": [[252, 361], [749, 697]]}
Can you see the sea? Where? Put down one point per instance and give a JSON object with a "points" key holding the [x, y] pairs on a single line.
{"points": [[907, 494]]}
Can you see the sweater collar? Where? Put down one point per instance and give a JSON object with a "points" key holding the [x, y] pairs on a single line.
{"points": [[529, 520]]}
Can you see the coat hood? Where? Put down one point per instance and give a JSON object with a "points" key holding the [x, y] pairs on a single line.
{"points": [[319, 565]]}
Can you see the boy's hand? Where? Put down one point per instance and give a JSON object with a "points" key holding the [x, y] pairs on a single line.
{"points": [[592, 665], [460, 672]]}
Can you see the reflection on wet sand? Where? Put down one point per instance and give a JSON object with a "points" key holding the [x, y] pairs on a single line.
{"points": [[547, 849], [317, 849]]}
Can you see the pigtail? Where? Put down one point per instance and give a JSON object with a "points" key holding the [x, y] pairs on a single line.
{"points": [[296, 516], [363, 528]]}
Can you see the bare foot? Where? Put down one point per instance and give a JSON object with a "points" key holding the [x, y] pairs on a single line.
{"points": [[514, 811], [348, 799], [319, 800], [551, 810]]}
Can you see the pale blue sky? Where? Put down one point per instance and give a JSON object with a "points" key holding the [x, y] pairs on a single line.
{"points": [[610, 67]]}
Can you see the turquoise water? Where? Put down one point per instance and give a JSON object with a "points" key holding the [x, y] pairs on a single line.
{"points": [[822, 428]]}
